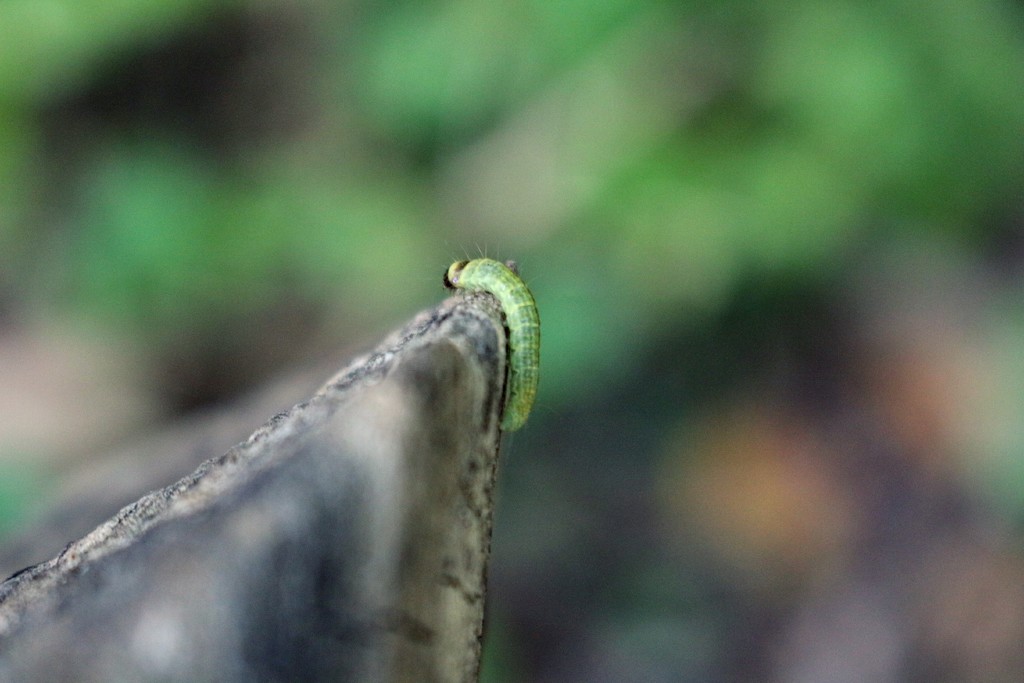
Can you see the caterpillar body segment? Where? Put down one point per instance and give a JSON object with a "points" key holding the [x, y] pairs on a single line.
{"points": [[522, 320]]}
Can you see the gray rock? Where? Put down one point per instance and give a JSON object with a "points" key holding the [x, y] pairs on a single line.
{"points": [[347, 539]]}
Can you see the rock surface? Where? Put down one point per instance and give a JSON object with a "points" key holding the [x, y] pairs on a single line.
{"points": [[347, 539]]}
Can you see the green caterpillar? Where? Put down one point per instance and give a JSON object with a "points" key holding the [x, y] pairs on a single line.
{"points": [[502, 280]]}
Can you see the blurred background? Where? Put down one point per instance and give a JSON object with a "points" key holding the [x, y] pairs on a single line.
{"points": [[777, 247]]}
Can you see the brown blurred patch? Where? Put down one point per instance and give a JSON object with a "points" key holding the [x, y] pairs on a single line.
{"points": [[64, 392], [756, 488]]}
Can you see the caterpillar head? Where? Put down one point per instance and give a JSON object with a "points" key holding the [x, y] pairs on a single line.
{"points": [[451, 276]]}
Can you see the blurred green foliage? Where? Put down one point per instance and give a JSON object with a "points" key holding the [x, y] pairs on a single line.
{"points": [[175, 169], [637, 157], [21, 487]]}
